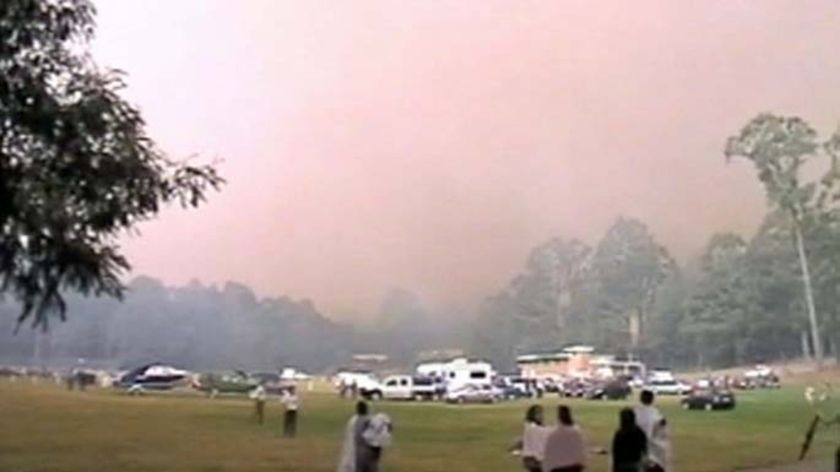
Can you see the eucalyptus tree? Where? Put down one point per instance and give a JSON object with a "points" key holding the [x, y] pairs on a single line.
{"points": [[779, 147]]}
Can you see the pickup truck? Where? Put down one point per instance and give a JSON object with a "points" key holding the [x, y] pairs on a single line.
{"points": [[406, 387]]}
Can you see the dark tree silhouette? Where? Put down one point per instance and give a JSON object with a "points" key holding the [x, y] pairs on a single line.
{"points": [[77, 168]]}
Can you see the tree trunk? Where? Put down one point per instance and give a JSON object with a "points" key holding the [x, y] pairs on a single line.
{"points": [[806, 347], [809, 296]]}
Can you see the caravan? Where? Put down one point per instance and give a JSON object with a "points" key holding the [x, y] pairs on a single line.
{"points": [[458, 373]]}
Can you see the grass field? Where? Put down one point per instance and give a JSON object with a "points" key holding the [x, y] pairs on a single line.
{"points": [[44, 428]]}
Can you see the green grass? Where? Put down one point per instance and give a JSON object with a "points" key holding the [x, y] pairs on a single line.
{"points": [[44, 428]]}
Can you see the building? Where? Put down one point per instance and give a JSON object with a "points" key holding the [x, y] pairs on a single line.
{"points": [[577, 361], [572, 361]]}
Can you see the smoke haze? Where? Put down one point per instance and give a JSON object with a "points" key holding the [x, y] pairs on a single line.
{"points": [[431, 145]]}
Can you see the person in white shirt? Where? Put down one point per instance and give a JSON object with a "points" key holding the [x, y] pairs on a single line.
{"points": [[258, 395], [534, 435], [651, 421], [376, 436], [291, 403], [565, 447], [354, 444]]}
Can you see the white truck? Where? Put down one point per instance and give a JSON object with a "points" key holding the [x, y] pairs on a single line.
{"points": [[406, 387], [364, 383], [663, 382]]}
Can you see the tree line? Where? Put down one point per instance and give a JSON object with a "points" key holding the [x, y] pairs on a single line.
{"points": [[769, 296], [204, 327]]}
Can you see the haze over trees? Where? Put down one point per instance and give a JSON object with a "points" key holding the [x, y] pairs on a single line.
{"points": [[229, 327], [77, 171], [195, 326]]}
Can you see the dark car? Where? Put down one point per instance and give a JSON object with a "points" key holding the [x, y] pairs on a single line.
{"points": [[226, 382], [610, 390], [153, 376], [575, 388], [513, 388], [709, 399]]}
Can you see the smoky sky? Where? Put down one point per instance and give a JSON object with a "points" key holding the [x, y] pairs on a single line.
{"points": [[430, 144]]}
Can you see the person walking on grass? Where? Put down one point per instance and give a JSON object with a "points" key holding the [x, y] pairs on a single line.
{"points": [[653, 424], [629, 446], [534, 437], [352, 436], [565, 448], [258, 395], [291, 403]]}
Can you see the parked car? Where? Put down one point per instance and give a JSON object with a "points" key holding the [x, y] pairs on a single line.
{"points": [[514, 387], [616, 389], [292, 374], [667, 387], [759, 377], [575, 388], [226, 382], [151, 377], [472, 393], [551, 386], [511, 390], [709, 399]]}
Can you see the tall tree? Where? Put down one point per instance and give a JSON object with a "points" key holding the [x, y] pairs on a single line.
{"points": [[628, 267], [773, 270], [779, 147], [542, 308], [564, 263], [718, 313], [77, 168]]}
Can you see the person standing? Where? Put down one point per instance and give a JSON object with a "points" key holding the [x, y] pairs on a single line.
{"points": [[352, 434], [629, 445], [258, 395], [291, 402], [377, 436], [534, 437], [565, 448], [653, 424]]}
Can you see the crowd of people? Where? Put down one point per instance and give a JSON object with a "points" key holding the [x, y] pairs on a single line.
{"points": [[641, 443]]}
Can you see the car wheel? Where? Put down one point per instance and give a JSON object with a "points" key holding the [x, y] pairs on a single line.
{"points": [[708, 407], [376, 396]]}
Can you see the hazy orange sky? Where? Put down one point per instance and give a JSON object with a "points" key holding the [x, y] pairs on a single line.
{"points": [[430, 144]]}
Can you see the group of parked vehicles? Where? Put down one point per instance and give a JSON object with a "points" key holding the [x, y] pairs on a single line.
{"points": [[157, 376], [468, 382], [458, 381]]}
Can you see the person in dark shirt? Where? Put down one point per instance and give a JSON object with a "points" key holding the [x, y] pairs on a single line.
{"points": [[629, 444]]}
